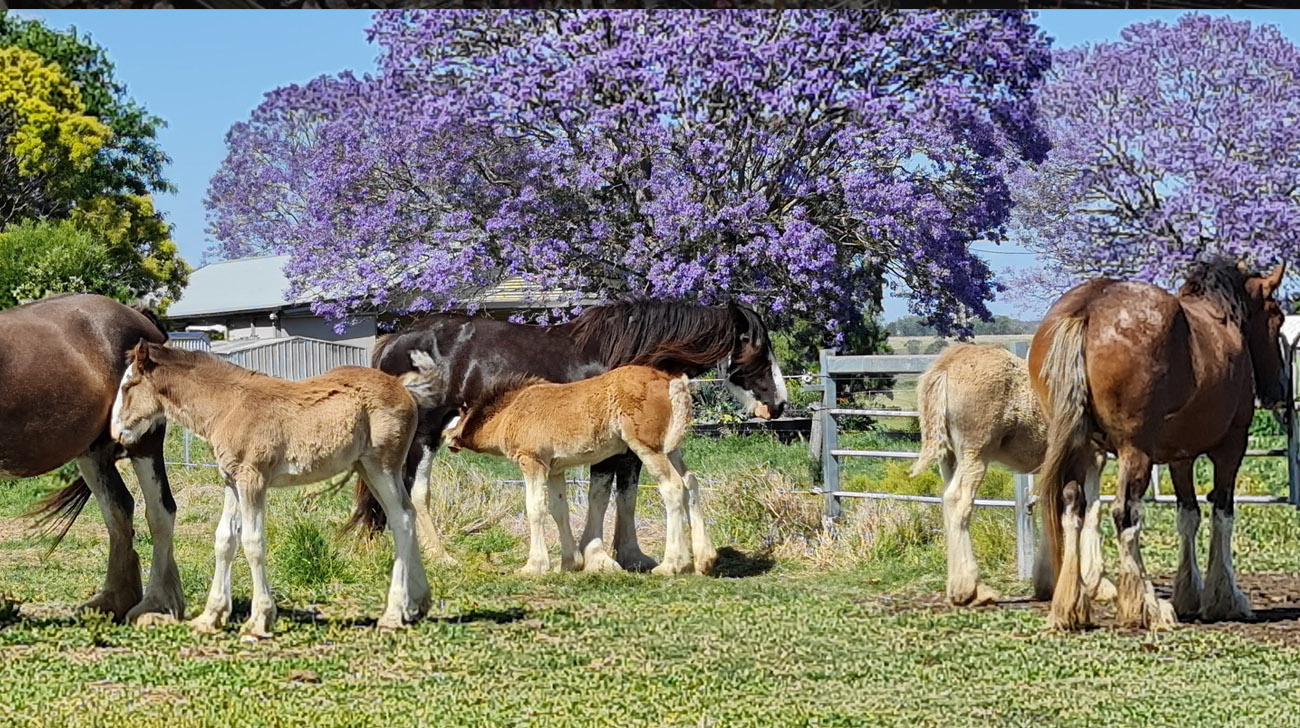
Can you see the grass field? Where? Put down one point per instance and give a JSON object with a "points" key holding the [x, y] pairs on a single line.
{"points": [[801, 630]]}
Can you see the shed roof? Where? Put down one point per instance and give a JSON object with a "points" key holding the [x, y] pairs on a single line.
{"points": [[259, 284], [231, 286]]}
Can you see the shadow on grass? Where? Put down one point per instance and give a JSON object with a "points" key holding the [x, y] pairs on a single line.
{"points": [[734, 564]]}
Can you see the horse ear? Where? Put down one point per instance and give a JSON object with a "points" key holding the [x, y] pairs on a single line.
{"points": [[140, 355], [1273, 280]]}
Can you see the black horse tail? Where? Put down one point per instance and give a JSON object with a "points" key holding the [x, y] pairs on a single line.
{"points": [[56, 512]]}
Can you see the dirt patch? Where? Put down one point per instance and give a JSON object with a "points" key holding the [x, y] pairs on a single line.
{"points": [[1275, 597]]}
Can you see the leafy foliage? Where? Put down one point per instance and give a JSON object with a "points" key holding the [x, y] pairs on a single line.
{"points": [[801, 161], [1174, 143], [42, 258], [48, 140], [130, 162]]}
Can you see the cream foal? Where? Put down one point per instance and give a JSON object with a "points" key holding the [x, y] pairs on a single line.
{"points": [[268, 432]]}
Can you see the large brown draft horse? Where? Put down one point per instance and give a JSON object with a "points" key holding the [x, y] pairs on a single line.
{"points": [[480, 352], [61, 359], [1125, 367]]}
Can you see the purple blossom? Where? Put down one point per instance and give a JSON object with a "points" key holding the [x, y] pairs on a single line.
{"points": [[1176, 143], [799, 161]]}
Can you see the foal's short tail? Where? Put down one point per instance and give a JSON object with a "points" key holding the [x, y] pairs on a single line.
{"points": [[428, 383], [931, 392], [679, 396], [1068, 424], [56, 512]]}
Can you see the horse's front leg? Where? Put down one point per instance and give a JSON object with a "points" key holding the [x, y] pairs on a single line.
{"points": [[535, 474], [558, 504], [626, 548], [421, 488], [217, 610], [1222, 599], [164, 600], [592, 543]]}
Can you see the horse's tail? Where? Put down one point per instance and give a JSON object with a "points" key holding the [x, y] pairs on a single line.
{"points": [[57, 511], [679, 397], [428, 383], [1068, 425], [931, 392]]}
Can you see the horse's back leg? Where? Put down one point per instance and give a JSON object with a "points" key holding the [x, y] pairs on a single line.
{"points": [[408, 589], [430, 537], [1188, 584], [626, 548], [1091, 564], [164, 600], [1222, 599], [702, 551], [964, 586], [677, 550], [121, 591], [592, 543], [1136, 602]]}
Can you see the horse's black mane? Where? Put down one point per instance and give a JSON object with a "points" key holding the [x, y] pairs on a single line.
{"points": [[672, 336], [1221, 280]]}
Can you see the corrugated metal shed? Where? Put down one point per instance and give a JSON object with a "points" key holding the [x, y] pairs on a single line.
{"points": [[191, 340], [291, 358]]}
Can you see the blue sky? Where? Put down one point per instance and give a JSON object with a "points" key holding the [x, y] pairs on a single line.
{"points": [[203, 71]]}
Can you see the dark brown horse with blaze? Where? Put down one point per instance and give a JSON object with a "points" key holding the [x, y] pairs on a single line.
{"points": [[1125, 367], [61, 359]]}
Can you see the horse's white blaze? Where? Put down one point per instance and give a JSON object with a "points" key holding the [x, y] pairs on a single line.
{"points": [[451, 425], [745, 397], [115, 422], [782, 395]]}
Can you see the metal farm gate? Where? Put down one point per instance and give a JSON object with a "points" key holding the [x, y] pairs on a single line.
{"points": [[292, 358], [832, 455]]}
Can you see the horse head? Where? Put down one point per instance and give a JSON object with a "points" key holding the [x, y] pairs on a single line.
{"points": [[1262, 329], [751, 373]]}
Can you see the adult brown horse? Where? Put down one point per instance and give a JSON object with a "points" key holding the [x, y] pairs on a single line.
{"points": [[61, 359], [1125, 367]]}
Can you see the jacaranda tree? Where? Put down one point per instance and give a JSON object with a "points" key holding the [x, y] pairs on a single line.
{"points": [[1175, 143], [802, 161]]}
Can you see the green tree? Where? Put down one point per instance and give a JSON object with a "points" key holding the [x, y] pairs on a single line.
{"points": [[48, 139], [42, 258], [131, 162], [138, 243]]}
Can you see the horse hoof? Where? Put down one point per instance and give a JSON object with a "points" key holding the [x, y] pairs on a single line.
{"points": [[153, 619], [207, 623], [669, 568], [117, 606], [637, 561], [533, 568]]}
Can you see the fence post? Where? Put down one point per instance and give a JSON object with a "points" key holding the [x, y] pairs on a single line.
{"points": [[1024, 526], [185, 439], [830, 442], [1292, 429]]}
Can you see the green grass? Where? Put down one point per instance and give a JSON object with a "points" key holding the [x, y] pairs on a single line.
{"points": [[821, 634]]}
